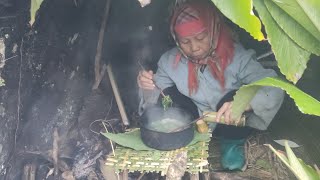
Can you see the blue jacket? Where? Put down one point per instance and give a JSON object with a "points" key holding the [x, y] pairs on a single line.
{"points": [[244, 69]]}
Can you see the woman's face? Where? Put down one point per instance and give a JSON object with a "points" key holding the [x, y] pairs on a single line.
{"points": [[197, 46]]}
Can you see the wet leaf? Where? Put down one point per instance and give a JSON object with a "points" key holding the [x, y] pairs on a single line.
{"points": [[240, 12]]}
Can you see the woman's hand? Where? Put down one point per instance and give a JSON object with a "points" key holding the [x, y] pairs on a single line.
{"points": [[225, 111], [145, 80]]}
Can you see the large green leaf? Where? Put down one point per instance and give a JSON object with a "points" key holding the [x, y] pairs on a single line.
{"points": [[293, 29], [240, 12], [292, 59], [281, 156], [312, 9], [242, 98], [297, 166], [133, 139], [306, 104], [35, 5], [293, 8], [310, 171]]}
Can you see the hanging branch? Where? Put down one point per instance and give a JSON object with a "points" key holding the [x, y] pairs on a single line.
{"points": [[100, 73]]}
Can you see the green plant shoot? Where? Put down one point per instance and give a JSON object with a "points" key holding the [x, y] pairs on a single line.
{"points": [[166, 102], [1, 82]]}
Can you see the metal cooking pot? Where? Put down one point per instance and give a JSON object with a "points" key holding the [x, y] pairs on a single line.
{"points": [[159, 138]]}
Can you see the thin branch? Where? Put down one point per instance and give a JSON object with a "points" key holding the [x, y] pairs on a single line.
{"points": [[55, 152], [19, 96], [114, 154], [99, 47], [264, 55], [18, 111], [141, 175]]}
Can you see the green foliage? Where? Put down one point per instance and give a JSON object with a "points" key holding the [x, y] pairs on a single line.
{"points": [[166, 102], [293, 9], [133, 140], [312, 9], [292, 59], [297, 166], [293, 29], [305, 102], [35, 5], [1, 82], [240, 12]]}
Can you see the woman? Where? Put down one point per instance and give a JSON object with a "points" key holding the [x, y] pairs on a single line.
{"points": [[207, 66]]}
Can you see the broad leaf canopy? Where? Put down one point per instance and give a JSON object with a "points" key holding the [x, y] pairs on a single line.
{"points": [[240, 12]]}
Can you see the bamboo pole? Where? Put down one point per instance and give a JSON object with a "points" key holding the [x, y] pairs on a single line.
{"points": [[115, 89]]}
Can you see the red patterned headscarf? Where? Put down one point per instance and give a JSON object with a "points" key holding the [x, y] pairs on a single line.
{"points": [[193, 18]]}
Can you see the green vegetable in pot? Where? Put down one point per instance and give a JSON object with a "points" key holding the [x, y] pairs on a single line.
{"points": [[166, 102]]}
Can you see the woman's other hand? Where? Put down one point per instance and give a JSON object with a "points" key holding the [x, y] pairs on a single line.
{"points": [[225, 111], [145, 80]]}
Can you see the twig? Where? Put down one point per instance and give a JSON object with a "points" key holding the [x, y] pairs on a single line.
{"points": [[264, 55], [98, 74], [141, 175], [101, 121], [19, 96], [18, 108], [99, 78], [29, 171], [55, 152], [125, 175], [113, 152], [3, 62], [317, 169], [92, 161], [111, 103], [7, 17]]}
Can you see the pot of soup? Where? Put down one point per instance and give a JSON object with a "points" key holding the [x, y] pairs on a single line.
{"points": [[158, 128]]}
